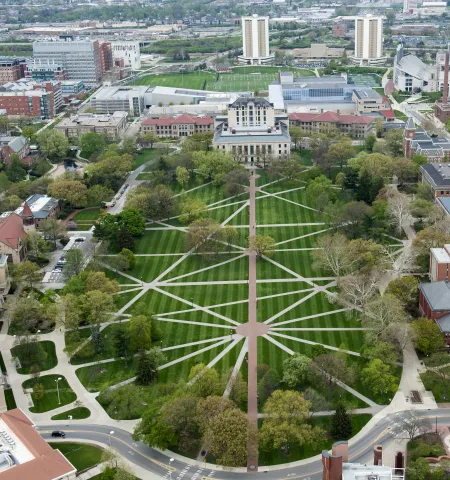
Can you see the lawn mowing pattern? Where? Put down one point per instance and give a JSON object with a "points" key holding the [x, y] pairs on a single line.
{"points": [[79, 455], [270, 306], [280, 234], [148, 268], [78, 413], [160, 241], [206, 295], [271, 210], [233, 270], [121, 279], [145, 155], [267, 270], [120, 300], [50, 361], [156, 302], [300, 262], [50, 398]]}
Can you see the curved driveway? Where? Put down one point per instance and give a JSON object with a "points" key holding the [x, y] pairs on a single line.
{"points": [[157, 463]]}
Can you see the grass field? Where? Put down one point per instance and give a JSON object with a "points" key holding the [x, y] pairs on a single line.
{"points": [[241, 79], [50, 398], [197, 302], [78, 413], [80, 455]]}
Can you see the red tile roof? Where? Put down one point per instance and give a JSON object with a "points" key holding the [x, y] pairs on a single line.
{"points": [[388, 113], [11, 229], [183, 118], [26, 212], [157, 121], [47, 464], [330, 117]]}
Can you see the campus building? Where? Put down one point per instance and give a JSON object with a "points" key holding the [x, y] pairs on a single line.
{"points": [[439, 263], [417, 141], [434, 303], [122, 98], [11, 69], [412, 75], [251, 132], [14, 145], [43, 71], [368, 41], [317, 51], [129, 52], [12, 233], [179, 126], [112, 126], [27, 97], [255, 41], [356, 126], [37, 208], [319, 95], [80, 58], [26, 455], [410, 6]]}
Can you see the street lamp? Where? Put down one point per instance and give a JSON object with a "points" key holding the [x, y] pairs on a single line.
{"points": [[192, 301], [110, 433], [57, 389], [231, 334]]}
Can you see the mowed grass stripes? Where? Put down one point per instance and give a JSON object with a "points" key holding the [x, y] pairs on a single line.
{"points": [[160, 241]]}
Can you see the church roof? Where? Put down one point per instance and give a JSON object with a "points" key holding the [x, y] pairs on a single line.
{"points": [[26, 212]]}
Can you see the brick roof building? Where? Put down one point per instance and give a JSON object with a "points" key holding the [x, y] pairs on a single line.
{"points": [[353, 125], [180, 126], [26, 455], [12, 233]]}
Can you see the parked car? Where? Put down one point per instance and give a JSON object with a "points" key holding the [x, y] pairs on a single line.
{"points": [[80, 239], [58, 433]]}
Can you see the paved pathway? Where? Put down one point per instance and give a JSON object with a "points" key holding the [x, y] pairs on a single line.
{"points": [[252, 461]]}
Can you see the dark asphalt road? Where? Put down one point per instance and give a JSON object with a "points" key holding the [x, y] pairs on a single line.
{"points": [[158, 463]]}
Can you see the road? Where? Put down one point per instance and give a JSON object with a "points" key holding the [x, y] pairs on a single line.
{"points": [[157, 463]]}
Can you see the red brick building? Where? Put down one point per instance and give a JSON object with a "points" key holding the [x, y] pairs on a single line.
{"points": [[105, 56], [10, 70], [14, 145], [339, 30], [180, 126], [434, 303]]}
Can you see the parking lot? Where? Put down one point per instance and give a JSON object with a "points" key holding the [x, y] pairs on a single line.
{"points": [[54, 274]]}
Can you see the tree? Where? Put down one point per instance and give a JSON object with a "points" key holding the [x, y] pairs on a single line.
{"points": [[72, 192], [202, 235], [384, 315], [182, 176], [378, 378], [286, 415], [420, 208], [125, 400], [397, 208], [203, 381], [394, 142], [91, 144], [148, 364], [439, 375], [30, 351], [333, 255], [148, 139], [235, 181], [296, 134], [192, 209], [129, 145], [340, 151], [428, 336], [53, 143], [318, 402], [50, 229], [329, 367], [212, 166], [129, 257], [410, 423], [26, 273], [121, 342], [229, 235], [370, 142], [319, 185], [419, 159], [36, 246], [405, 170], [261, 245], [268, 384], [97, 194], [353, 215], [208, 408], [341, 423], [406, 289], [74, 263], [38, 391], [140, 332], [133, 221], [15, 170], [356, 290], [231, 438], [295, 369]]}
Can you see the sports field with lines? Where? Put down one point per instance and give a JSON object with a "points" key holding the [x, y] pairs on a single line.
{"points": [[241, 79], [198, 303]]}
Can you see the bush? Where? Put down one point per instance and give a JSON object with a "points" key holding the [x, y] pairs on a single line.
{"points": [[424, 450]]}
